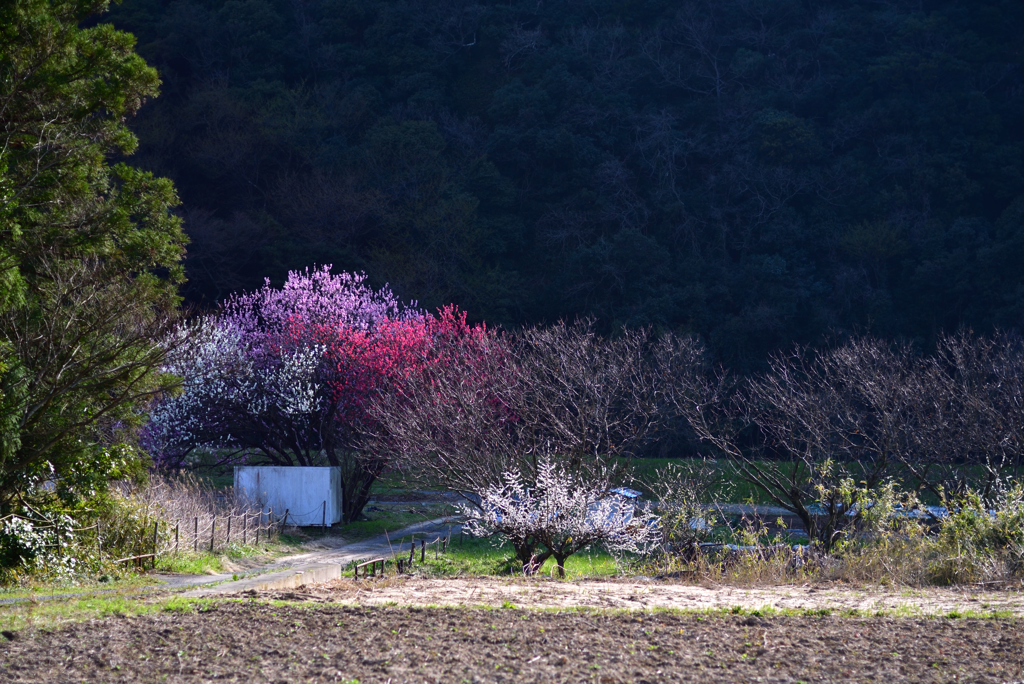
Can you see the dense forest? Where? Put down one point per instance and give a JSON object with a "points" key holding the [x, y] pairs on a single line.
{"points": [[759, 172]]}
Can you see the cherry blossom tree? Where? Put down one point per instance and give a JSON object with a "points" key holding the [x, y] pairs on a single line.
{"points": [[560, 514], [288, 375]]}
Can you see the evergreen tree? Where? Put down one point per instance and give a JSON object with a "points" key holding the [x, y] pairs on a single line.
{"points": [[89, 252]]}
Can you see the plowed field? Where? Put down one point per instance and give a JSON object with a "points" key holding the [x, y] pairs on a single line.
{"points": [[254, 641]]}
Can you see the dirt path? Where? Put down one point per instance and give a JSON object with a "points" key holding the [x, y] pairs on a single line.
{"points": [[646, 595], [256, 643], [317, 563]]}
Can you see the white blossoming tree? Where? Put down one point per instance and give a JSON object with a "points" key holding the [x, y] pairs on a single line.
{"points": [[562, 514], [227, 395]]}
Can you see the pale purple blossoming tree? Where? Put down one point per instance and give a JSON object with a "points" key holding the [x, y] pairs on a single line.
{"points": [[269, 376]]}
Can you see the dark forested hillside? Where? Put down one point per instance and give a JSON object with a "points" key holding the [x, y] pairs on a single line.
{"points": [[756, 171]]}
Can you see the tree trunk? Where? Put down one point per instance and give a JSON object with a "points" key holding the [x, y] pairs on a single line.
{"points": [[534, 560], [560, 561], [356, 483], [355, 495]]}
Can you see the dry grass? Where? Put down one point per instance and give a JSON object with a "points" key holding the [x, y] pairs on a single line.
{"points": [[193, 514], [911, 560]]}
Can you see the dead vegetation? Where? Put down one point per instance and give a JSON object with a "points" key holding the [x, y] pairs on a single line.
{"points": [[633, 594]]}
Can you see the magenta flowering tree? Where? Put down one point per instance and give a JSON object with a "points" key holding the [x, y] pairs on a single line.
{"points": [[287, 374]]}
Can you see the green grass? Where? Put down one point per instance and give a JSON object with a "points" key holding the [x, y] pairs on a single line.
{"points": [[111, 583], [51, 614], [204, 562], [728, 486], [725, 484], [191, 564], [390, 518], [481, 557], [57, 613], [194, 564]]}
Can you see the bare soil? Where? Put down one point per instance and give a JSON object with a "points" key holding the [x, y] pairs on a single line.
{"points": [[254, 641]]}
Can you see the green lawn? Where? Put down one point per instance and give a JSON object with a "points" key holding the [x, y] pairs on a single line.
{"points": [[385, 518], [724, 484], [727, 486], [204, 562], [480, 557]]}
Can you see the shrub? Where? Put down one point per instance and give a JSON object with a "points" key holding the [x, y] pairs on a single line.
{"points": [[117, 524], [684, 505], [36, 547], [976, 543]]}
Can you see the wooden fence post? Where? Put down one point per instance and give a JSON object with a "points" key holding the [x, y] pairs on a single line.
{"points": [[412, 549], [228, 543], [245, 529], [285, 521], [156, 529], [213, 532], [99, 539], [176, 524], [423, 550], [259, 524], [195, 537]]}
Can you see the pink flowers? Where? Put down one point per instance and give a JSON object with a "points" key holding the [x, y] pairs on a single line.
{"points": [[291, 374]]}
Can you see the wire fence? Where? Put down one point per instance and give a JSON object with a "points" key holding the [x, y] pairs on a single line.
{"points": [[206, 533], [213, 533], [314, 517]]}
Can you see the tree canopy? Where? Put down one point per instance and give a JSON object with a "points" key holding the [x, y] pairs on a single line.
{"points": [[758, 172]]}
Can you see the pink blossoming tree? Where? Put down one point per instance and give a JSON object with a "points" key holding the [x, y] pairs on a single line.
{"points": [[289, 375]]}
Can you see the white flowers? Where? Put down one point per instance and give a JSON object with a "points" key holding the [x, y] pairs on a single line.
{"points": [[223, 377], [561, 515]]}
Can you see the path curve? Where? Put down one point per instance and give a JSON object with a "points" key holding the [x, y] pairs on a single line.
{"points": [[314, 566]]}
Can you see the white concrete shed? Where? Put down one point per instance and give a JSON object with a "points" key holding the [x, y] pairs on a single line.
{"points": [[307, 493]]}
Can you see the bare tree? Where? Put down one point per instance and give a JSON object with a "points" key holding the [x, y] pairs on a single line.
{"points": [[837, 418], [587, 398], [814, 431], [503, 402], [972, 434], [456, 422], [820, 430]]}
